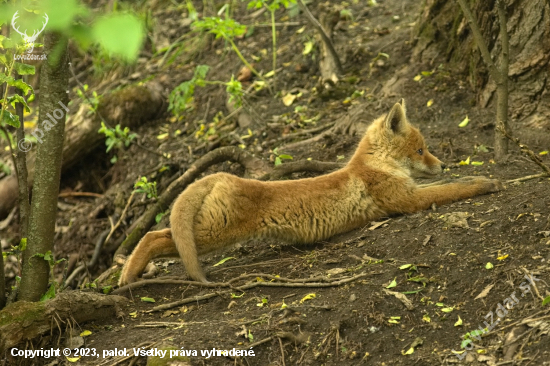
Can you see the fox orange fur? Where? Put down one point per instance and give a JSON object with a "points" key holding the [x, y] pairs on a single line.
{"points": [[221, 209]]}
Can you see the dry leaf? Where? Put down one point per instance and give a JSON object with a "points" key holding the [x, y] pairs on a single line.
{"points": [[484, 292]]}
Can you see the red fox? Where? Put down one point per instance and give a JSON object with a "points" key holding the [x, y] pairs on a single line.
{"points": [[221, 209]]}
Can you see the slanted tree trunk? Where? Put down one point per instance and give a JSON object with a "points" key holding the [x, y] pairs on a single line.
{"points": [[442, 30], [54, 83]]}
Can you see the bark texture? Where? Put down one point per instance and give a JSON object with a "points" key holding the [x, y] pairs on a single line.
{"points": [[54, 83], [442, 30], [24, 321]]}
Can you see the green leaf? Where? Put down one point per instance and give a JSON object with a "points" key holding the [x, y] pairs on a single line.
{"points": [[147, 299], [23, 86], [392, 283], [16, 98], [12, 120], [284, 156], [223, 261], [477, 163], [61, 13], [120, 34], [546, 301], [50, 294], [23, 69], [405, 266]]}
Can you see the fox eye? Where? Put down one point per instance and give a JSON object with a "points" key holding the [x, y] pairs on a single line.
{"points": [[419, 151]]}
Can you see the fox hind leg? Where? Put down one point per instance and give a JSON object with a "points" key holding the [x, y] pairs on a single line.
{"points": [[154, 244]]}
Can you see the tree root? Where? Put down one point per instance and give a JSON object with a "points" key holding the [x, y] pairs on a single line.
{"points": [[23, 320], [300, 283]]}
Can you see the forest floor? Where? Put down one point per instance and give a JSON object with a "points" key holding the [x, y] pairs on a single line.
{"points": [[459, 265]]}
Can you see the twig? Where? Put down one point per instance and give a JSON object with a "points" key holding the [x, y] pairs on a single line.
{"points": [[176, 281], [79, 194], [533, 283], [97, 251], [525, 150], [121, 217], [499, 76], [326, 39], [528, 177], [282, 351], [258, 284]]}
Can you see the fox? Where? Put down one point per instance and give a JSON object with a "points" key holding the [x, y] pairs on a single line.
{"points": [[221, 209]]}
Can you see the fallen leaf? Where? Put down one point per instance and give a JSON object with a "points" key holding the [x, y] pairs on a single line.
{"points": [[485, 291], [489, 265], [223, 261], [417, 77], [404, 299], [147, 299], [85, 333], [430, 102], [335, 271], [502, 257], [289, 99], [307, 297], [426, 318], [464, 122], [376, 225], [458, 322], [308, 47], [392, 283]]}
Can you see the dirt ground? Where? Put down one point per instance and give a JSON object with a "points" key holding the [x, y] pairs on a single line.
{"points": [[428, 278]]}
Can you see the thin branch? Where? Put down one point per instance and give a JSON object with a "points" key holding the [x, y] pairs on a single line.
{"points": [[326, 39], [480, 41], [525, 150], [251, 285], [527, 177]]}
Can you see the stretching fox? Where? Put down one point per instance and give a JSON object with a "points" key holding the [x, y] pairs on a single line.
{"points": [[221, 209]]}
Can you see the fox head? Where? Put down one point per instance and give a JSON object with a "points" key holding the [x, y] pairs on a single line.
{"points": [[393, 139]]}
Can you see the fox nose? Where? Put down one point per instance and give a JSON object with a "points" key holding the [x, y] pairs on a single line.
{"points": [[443, 166]]}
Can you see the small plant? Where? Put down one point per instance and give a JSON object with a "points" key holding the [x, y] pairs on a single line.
{"points": [[181, 98], [227, 29], [149, 188], [272, 7], [93, 101], [117, 138], [280, 157], [476, 334], [54, 285]]}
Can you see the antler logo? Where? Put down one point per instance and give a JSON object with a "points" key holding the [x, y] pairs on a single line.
{"points": [[29, 40]]}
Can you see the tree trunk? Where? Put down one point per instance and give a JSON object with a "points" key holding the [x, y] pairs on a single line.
{"points": [[54, 83], [24, 321], [129, 107], [442, 30]]}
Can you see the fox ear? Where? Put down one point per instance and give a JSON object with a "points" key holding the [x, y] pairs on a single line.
{"points": [[396, 120]]}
